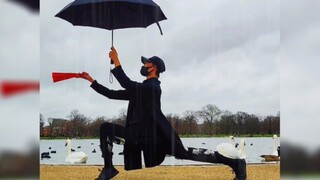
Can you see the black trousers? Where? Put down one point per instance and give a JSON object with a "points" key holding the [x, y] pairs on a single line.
{"points": [[111, 131]]}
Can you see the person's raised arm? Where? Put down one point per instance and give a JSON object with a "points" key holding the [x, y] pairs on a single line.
{"points": [[118, 72]]}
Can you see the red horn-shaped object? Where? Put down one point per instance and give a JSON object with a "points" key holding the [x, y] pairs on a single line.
{"points": [[9, 88], [57, 76]]}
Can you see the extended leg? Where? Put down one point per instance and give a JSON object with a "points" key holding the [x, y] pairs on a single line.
{"points": [[204, 155]]}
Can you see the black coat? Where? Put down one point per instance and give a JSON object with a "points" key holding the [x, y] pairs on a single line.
{"points": [[148, 130]]}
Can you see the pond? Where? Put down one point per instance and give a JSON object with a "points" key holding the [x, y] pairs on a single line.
{"points": [[254, 148]]}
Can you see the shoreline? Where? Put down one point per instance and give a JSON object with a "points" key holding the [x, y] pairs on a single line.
{"points": [[181, 136], [215, 171], [185, 165]]}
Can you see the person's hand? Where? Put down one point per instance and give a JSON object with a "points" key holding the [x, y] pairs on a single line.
{"points": [[86, 76], [114, 56]]}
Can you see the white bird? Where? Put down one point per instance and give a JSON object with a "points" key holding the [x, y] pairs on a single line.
{"points": [[242, 149], [275, 156], [276, 144], [74, 157], [230, 151]]}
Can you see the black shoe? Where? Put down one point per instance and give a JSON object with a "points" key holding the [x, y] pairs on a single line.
{"points": [[239, 166], [107, 173]]}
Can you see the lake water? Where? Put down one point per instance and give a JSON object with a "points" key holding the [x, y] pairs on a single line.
{"points": [[259, 146]]}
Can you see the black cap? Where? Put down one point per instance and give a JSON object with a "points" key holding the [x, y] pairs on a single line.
{"points": [[156, 61]]}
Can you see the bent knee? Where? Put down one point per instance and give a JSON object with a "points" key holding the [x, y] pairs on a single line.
{"points": [[105, 126]]}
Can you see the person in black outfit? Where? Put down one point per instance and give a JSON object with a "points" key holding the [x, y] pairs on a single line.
{"points": [[146, 129]]}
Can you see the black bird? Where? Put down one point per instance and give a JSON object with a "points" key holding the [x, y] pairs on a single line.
{"points": [[72, 150], [45, 155], [79, 147], [49, 147], [53, 151], [121, 153], [94, 151]]}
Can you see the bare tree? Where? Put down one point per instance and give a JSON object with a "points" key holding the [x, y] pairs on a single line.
{"points": [[94, 126], [121, 118], [210, 115], [252, 125], [41, 124], [227, 123], [240, 118], [51, 126], [78, 123], [191, 122], [176, 122]]}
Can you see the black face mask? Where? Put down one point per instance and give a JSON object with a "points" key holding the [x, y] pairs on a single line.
{"points": [[144, 71]]}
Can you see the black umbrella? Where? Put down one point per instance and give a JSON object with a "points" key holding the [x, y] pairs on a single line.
{"points": [[33, 5], [112, 14]]}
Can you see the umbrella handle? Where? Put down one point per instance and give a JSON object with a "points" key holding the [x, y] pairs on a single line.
{"points": [[111, 62], [111, 38], [110, 76]]}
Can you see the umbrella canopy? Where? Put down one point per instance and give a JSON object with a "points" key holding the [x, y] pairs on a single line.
{"points": [[112, 14], [33, 5]]}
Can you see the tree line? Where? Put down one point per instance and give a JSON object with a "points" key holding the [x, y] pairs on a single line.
{"points": [[209, 120]]}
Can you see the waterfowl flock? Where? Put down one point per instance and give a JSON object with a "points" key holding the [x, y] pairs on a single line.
{"points": [[274, 156], [236, 149]]}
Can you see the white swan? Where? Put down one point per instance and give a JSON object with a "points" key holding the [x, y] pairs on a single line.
{"points": [[242, 149], [275, 145], [228, 149], [74, 157]]}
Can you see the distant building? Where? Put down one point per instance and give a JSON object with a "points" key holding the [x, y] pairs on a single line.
{"points": [[57, 127], [46, 131]]}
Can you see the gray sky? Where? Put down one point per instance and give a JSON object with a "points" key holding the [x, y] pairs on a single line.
{"points": [[19, 60], [224, 53], [300, 44]]}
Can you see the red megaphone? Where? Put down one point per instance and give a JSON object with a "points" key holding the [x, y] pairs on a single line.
{"points": [[9, 88], [58, 76]]}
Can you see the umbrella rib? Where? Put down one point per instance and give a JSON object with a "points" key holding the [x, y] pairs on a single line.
{"points": [[159, 28]]}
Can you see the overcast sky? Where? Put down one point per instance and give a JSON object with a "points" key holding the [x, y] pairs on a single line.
{"points": [[19, 60], [300, 75], [224, 53]]}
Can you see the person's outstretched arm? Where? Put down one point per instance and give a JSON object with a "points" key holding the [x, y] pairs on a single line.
{"points": [[111, 94]]}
